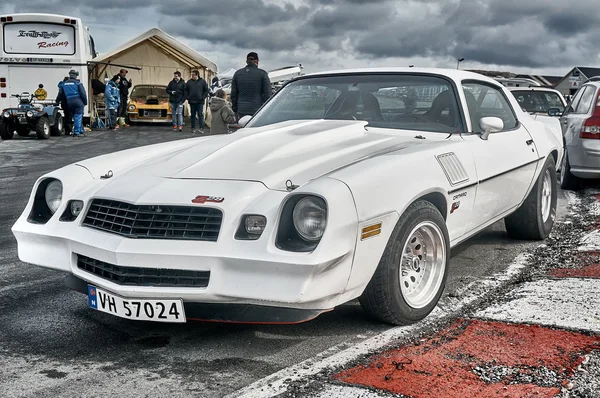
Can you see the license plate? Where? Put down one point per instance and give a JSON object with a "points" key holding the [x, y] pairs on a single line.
{"points": [[139, 309], [152, 113]]}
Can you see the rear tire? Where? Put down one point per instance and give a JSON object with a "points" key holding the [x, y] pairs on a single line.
{"points": [[412, 272], [42, 128], [567, 180], [535, 218], [58, 127], [6, 133]]}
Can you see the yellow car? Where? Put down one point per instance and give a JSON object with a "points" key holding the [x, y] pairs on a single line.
{"points": [[149, 103]]}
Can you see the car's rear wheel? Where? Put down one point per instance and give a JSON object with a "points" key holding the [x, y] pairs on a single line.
{"points": [[42, 128], [535, 218], [567, 179], [6, 132], [23, 131], [411, 274], [58, 127]]}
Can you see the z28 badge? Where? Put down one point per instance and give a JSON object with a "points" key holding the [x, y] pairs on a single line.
{"points": [[200, 199]]}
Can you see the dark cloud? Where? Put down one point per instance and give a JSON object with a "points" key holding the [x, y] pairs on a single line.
{"points": [[513, 33]]}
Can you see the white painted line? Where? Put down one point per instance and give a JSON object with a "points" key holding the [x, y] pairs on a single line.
{"points": [[277, 382], [590, 242], [565, 303], [335, 391]]}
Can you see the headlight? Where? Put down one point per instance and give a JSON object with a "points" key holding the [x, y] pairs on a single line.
{"points": [[310, 218], [54, 195], [6, 114], [131, 107], [29, 113]]}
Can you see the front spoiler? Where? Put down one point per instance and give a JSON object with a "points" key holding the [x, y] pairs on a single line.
{"points": [[228, 313]]}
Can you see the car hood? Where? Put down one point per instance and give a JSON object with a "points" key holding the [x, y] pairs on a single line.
{"points": [[298, 151]]}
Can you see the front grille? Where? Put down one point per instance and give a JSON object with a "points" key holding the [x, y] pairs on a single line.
{"points": [[154, 221], [137, 276], [152, 113]]}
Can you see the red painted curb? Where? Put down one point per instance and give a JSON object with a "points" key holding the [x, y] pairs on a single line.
{"points": [[590, 271], [476, 359]]}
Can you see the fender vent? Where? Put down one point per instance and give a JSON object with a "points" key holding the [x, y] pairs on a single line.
{"points": [[453, 168]]}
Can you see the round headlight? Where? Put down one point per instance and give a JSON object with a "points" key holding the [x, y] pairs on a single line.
{"points": [[6, 114], [310, 218], [131, 107], [29, 113], [54, 195]]}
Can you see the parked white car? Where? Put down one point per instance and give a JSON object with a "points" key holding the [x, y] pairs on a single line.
{"points": [[321, 199]]}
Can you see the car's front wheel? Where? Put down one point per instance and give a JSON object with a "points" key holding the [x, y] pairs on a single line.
{"points": [[6, 132], [535, 218], [411, 274], [42, 128]]}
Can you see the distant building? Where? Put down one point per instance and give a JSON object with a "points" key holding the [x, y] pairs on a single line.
{"points": [[569, 84]]}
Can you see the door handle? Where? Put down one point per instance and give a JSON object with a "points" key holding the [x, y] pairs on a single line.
{"points": [[529, 142]]}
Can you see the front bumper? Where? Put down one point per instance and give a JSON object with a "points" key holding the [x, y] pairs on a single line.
{"points": [[242, 273]]}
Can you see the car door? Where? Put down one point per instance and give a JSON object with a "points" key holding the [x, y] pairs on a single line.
{"points": [[506, 161], [576, 114]]}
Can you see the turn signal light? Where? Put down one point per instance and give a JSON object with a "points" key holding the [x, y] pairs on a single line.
{"points": [[2, 80], [3, 95], [2, 84]]}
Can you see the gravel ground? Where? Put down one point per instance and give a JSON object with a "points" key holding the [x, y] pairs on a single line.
{"points": [[586, 380]]}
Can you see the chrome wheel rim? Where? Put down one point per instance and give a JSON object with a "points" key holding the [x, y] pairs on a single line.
{"points": [[422, 265], [546, 196], [46, 129]]}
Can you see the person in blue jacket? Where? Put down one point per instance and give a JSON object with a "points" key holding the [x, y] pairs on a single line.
{"points": [[77, 100], [112, 98]]}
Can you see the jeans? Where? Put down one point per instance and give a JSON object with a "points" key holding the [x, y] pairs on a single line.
{"points": [[76, 109], [177, 113], [112, 118], [197, 109]]}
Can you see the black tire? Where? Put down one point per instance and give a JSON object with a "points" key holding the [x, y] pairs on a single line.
{"points": [[383, 297], [42, 128], [528, 222], [6, 132], [567, 180], [23, 131], [58, 127]]}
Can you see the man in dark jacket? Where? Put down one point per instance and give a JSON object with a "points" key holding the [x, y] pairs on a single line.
{"points": [[76, 99], [62, 100], [250, 87], [176, 91], [124, 87], [196, 91]]}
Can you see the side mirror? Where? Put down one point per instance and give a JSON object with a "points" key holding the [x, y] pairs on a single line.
{"points": [[490, 125], [554, 112], [244, 120]]}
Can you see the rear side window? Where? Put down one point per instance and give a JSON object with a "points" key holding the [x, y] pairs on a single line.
{"points": [[586, 100]]}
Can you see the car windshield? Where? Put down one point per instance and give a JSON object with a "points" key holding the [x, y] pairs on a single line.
{"points": [[145, 91], [395, 101], [538, 101]]}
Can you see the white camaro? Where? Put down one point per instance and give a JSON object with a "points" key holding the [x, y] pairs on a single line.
{"points": [[349, 184]]}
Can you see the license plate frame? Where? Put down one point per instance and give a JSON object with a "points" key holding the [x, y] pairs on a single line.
{"points": [[146, 309]]}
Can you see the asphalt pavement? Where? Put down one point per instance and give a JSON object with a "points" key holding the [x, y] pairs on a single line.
{"points": [[52, 344]]}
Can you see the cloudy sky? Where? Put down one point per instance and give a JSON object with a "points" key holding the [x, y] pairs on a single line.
{"points": [[533, 36]]}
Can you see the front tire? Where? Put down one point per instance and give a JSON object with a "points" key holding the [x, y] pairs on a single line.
{"points": [[412, 272], [535, 218], [42, 128], [6, 132], [567, 180], [58, 127]]}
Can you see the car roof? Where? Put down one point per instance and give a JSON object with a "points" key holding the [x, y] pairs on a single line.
{"points": [[546, 89], [454, 74]]}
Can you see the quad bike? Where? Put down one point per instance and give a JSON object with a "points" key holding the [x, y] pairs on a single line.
{"points": [[44, 117]]}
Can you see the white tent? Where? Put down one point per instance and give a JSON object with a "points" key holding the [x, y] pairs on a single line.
{"points": [[228, 74]]}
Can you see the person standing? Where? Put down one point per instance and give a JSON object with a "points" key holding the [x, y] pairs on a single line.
{"points": [[76, 100], [250, 87], [112, 97], [196, 91], [176, 91], [41, 93], [124, 87], [62, 100], [221, 113]]}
